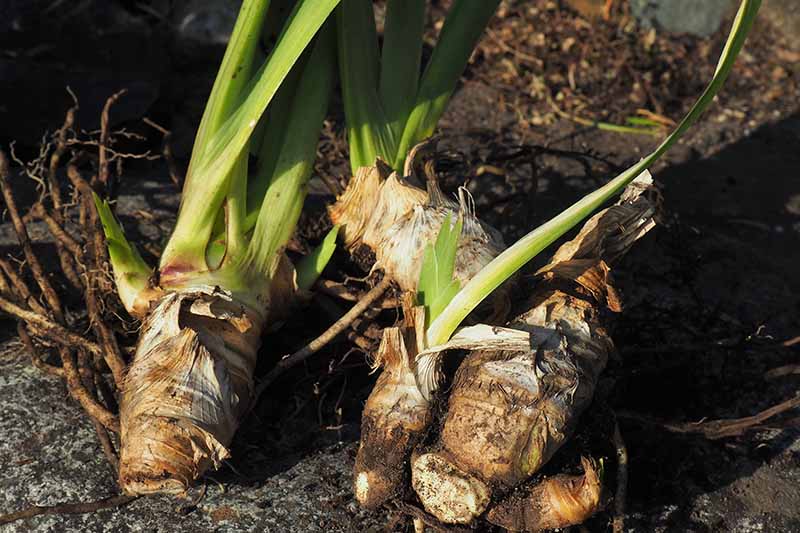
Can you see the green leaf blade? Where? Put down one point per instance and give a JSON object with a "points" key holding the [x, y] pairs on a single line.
{"points": [[401, 57], [234, 73], [131, 272], [462, 28], [368, 132], [284, 197], [436, 285], [516, 256], [441, 300], [311, 266], [210, 170]]}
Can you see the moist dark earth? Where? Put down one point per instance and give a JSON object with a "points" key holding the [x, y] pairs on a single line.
{"points": [[711, 319]]}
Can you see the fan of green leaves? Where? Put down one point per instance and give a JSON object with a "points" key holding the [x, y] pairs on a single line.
{"points": [[389, 107], [234, 221]]}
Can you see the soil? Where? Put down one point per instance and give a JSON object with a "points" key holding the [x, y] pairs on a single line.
{"points": [[712, 296]]}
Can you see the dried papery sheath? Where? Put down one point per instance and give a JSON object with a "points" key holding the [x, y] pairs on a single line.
{"points": [[191, 379], [397, 221], [509, 411], [395, 416], [401, 249], [188, 386], [477, 337], [374, 199], [554, 502], [634, 214]]}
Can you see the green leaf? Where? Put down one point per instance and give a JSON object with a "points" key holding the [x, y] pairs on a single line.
{"points": [[273, 121], [232, 80], [462, 28], [400, 60], [277, 118], [311, 266], [515, 257], [642, 121], [277, 15], [131, 272], [631, 130], [209, 171], [369, 135], [279, 12], [233, 75], [439, 304], [287, 189], [436, 285]]}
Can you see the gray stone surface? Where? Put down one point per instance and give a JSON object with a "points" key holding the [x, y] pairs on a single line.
{"points": [[698, 17], [207, 21], [49, 455]]}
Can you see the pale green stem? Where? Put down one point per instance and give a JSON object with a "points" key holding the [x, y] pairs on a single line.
{"points": [[462, 28], [400, 60], [284, 198]]}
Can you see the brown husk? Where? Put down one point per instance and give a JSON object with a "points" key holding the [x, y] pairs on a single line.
{"points": [[554, 502], [188, 386], [397, 221]]}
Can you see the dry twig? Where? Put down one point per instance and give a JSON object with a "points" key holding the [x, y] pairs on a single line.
{"points": [[791, 342], [111, 352], [56, 327], [781, 371], [718, 429], [341, 291], [67, 508], [102, 171], [83, 396], [175, 175], [42, 320], [36, 358], [60, 148], [21, 289], [25, 243], [315, 345], [68, 265], [64, 239], [108, 448], [53, 331], [618, 523]]}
